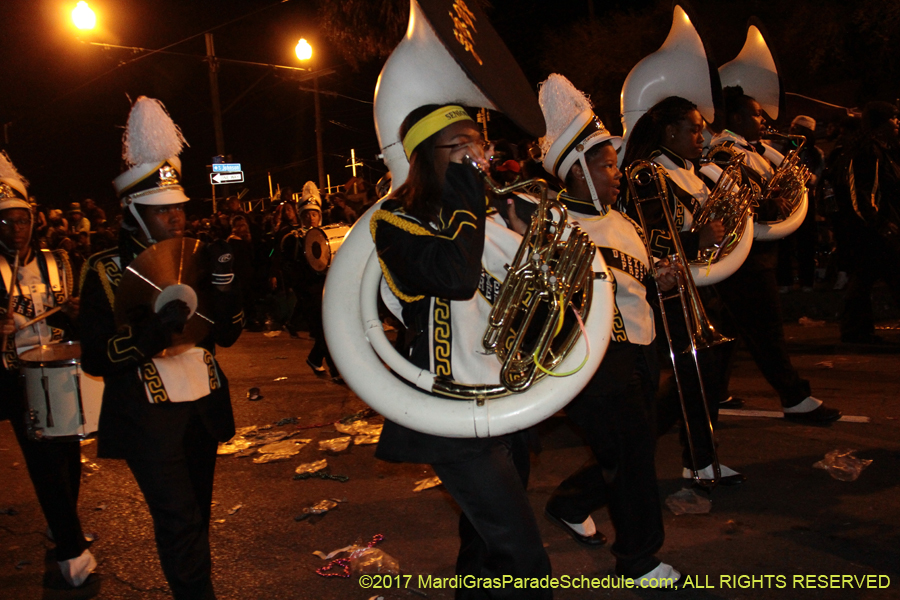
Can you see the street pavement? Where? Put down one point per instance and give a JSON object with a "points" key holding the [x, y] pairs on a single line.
{"points": [[788, 521]]}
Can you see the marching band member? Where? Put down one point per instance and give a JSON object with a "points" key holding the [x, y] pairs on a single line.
{"points": [[671, 135], [867, 189], [614, 410], [309, 284], [53, 466], [430, 236], [167, 428], [751, 293]]}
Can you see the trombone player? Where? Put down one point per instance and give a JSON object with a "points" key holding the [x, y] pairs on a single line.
{"points": [[670, 135]]}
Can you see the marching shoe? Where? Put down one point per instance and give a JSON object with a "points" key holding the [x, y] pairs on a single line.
{"points": [[585, 533], [731, 402], [317, 369], [663, 577], [812, 411], [729, 478], [76, 570]]}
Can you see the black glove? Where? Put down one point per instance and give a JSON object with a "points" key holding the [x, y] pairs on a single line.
{"points": [[153, 331], [221, 263], [173, 315]]}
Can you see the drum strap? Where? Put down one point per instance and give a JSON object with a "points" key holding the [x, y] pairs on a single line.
{"points": [[52, 270], [6, 273]]}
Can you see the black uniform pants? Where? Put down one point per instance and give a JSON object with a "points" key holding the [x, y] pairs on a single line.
{"points": [[179, 495], [800, 244], [55, 472], [753, 311], [498, 532], [874, 258], [615, 413]]}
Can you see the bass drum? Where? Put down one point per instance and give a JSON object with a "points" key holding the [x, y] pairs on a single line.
{"points": [[322, 244]]}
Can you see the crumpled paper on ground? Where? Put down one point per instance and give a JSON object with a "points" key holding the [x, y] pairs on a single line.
{"points": [[359, 428], [424, 484], [842, 465], [247, 438], [280, 450], [688, 502], [312, 467], [335, 445]]}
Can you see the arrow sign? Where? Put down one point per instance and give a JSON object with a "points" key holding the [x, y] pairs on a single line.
{"points": [[226, 167], [220, 178]]}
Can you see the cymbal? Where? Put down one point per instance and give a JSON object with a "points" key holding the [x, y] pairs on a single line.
{"points": [[172, 269]]}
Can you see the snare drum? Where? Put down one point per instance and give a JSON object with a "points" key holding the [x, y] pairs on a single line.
{"points": [[322, 243], [63, 401]]}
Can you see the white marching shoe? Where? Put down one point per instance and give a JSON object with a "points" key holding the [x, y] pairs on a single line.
{"points": [[76, 570], [664, 576]]}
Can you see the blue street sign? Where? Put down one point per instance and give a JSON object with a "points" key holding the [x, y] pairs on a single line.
{"points": [[226, 168]]}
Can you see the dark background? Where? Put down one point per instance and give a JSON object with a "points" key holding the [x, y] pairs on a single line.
{"points": [[64, 102]]}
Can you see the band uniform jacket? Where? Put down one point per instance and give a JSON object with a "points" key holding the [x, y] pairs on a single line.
{"points": [[130, 425], [429, 267]]}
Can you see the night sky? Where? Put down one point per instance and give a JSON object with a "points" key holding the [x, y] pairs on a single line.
{"points": [[64, 102]]}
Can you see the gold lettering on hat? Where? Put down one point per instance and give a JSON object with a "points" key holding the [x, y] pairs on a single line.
{"points": [[463, 26]]}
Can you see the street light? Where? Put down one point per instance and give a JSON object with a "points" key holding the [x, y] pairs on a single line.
{"points": [[83, 17], [304, 52]]}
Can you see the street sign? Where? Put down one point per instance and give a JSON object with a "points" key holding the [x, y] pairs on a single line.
{"points": [[220, 178], [226, 167]]}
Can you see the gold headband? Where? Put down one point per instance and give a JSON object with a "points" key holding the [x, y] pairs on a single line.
{"points": [[431, 124]]}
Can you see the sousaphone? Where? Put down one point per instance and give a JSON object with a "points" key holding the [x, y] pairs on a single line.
{"points": [[450, 54], [755, 69]]}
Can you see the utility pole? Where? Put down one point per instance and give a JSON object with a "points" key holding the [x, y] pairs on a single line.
{"points": [[214, 94], [319, 154]]}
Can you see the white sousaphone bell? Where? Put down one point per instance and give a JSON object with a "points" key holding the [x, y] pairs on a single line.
{"points": [[450, 54], [681, 68], [755, 70]]}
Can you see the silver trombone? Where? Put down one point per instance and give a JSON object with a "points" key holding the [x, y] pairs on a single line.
{"points": [[642, 177]]}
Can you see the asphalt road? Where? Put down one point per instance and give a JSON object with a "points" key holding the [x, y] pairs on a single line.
{"points": [[788, 521]]}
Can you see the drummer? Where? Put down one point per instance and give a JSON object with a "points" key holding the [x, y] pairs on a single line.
{"points": [[308, 287], [40, 281]]}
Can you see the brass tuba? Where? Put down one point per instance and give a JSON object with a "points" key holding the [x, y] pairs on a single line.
{"points": [[732, 201], [646, 182], [790, 179], [452, 54]]}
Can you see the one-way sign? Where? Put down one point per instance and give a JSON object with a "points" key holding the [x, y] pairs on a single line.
{"points": [[220, 178]]}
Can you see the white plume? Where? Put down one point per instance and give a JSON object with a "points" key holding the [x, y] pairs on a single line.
{"points": [[560, 102], [151, 135], [311, 191], [8, 170]]}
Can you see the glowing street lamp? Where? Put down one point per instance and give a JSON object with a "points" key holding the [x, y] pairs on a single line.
{"points": [[83, 17], [303, 50]]}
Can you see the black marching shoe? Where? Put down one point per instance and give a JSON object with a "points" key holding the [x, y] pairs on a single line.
{"points": [[591, 541], [818, 414], [729, 478]]}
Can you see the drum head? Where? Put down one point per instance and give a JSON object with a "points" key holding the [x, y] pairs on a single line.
{"points": [[172, 265], [65, 353], [322, 244]]}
